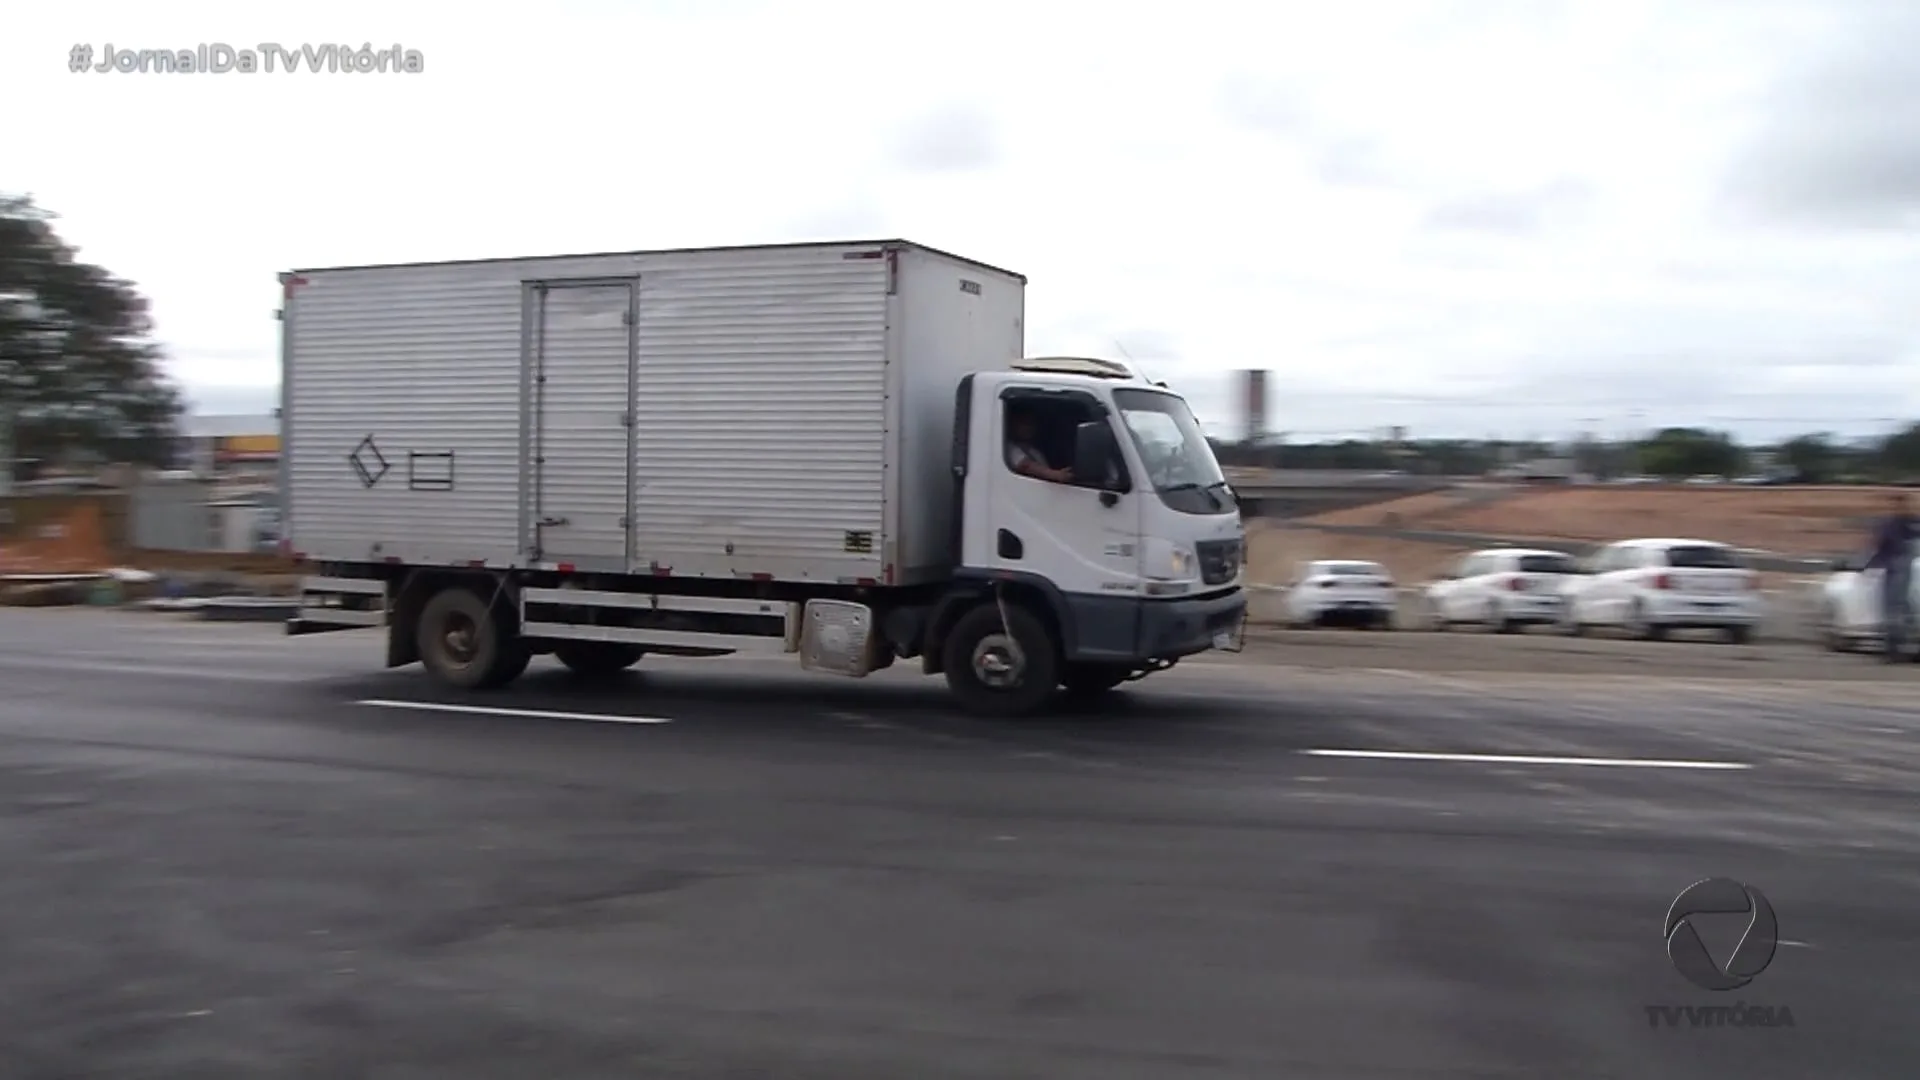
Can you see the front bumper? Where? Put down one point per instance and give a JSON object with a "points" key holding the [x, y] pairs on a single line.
{"points": [[1169, 629]]}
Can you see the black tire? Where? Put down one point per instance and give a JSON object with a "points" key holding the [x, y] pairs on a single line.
{"points": [[597, 659], [1739, 635], [1030, 687], [465, 644], [1382, 621], [1643, 629], [513, 663], [1499, 623], [1091, 680], [1830, 635]]}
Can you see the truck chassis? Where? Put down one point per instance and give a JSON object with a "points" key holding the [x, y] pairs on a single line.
{"points": [[1002, 645]]}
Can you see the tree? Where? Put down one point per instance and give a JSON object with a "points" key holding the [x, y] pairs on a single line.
{"points": [[1812, 458], [78, 374], [1678, 451], [1900, 453]]}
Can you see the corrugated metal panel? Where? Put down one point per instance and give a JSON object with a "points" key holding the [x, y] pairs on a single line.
{"points": [[761, 414], [760, 417], [410, 360], [584, 341]]}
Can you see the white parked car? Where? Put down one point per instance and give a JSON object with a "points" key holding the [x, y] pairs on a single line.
{"points": [[1344, 591], [1503, 589], [1653, 586], [1849, 610]]}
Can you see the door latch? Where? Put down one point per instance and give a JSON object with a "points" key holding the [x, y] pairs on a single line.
{"points": [[550, 522]]}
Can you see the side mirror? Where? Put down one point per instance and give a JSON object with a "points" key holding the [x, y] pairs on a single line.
{"points": [[1094, 453], [1843, 565]]}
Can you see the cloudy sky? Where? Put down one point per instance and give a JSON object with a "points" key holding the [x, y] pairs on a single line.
{"points": [[1524, 217]]}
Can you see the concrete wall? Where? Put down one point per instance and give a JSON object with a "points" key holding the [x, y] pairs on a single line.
{"points": [[173, 515]]}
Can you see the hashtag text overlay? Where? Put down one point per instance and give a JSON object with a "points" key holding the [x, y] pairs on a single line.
{"points": [[219, 58]]}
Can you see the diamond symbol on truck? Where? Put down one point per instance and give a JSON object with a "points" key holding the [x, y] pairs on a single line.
{"points": [[369, 464]]}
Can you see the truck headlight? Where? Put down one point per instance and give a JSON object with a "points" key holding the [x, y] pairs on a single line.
{"points": [[1182, 563], [1168, 561]]}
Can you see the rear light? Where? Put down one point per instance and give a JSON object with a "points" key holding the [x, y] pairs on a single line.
{"points": [[1664, 581], [1753, 582], [1517, 584]]}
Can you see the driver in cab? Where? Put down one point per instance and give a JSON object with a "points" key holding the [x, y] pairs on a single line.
{"points": [[1023, 452]]}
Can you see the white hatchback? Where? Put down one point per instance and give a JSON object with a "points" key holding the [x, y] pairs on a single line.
{"points": [[1652, 586], [1850, 605], [1503, 589], [1345, 591]]}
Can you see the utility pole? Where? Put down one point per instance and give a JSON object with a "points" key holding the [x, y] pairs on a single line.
{"points": [[6, 451]]}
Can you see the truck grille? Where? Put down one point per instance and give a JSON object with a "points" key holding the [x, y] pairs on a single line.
{"points": [[1219, 560]]}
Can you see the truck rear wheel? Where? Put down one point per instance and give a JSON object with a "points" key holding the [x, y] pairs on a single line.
{"points": [[1087, 680], [597, 659], [465, 644], [988, 675]]}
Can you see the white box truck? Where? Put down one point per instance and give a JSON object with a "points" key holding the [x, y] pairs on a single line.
{"points": [[835, 450]]}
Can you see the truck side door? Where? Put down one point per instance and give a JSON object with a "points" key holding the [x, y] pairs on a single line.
{"points": [[1081, 535]]}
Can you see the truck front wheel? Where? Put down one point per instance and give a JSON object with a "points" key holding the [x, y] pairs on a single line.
{"points": [[992, 677], [596, 659], [465, 644]]}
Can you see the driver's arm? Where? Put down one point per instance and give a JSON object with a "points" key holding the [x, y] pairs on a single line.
{"points": [[1026, 464]]}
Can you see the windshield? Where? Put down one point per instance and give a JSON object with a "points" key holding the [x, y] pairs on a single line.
{"points": [[1547, 564], [1179, 463], [1703, 557]]}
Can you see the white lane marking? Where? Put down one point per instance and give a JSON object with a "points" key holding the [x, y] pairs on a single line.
{"points": [[1528, 759], [159, 671], [531, 714]]}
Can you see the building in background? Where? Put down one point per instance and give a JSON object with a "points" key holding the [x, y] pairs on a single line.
{"points": [[1254, 405], [236, 448]]}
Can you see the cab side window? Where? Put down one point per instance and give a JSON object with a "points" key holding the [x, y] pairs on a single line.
{"points": [[1039, 437]]}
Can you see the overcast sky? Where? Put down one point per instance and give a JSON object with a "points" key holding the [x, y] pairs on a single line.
{"points": [[1485, 216]]}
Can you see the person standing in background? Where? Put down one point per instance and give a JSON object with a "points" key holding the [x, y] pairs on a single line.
{"points": [[1893, 544]]}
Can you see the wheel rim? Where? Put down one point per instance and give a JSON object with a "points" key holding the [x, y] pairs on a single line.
{"points": [[994, 663], [460, 637]]}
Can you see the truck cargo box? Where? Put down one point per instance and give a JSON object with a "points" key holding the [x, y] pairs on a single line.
{"points": [[781, 412]]}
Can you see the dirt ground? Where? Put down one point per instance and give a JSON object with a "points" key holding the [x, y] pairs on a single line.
{"points": [[1274, 554], [1794, 521]]}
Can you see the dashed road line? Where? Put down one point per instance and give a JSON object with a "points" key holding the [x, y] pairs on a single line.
{"points": [[1528, 759], [499, 710]]}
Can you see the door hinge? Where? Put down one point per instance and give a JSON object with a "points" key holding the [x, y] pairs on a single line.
{"points": [[626, 419], [626, 318], [626, 522]]}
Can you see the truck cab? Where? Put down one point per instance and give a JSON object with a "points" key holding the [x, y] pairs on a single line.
{"points": [[1123, 550]]}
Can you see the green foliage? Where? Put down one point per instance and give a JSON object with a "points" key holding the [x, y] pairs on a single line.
{"points": [[77, 371], [1813, 459], [1680, 452], [1900, 453]]}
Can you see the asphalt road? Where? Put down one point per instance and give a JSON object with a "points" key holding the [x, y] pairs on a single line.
{"points": [[227, 863]]}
